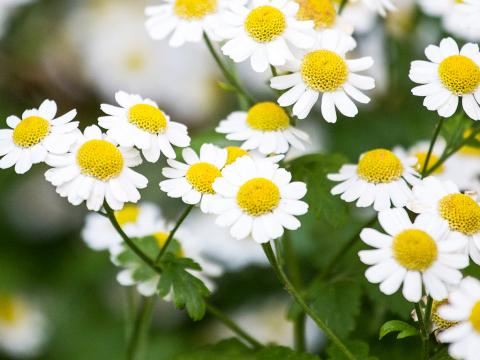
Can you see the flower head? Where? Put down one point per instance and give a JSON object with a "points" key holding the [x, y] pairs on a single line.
{"points": [[325, 72], [381, 177], [32, 138], [415, 254], [139, 122]]}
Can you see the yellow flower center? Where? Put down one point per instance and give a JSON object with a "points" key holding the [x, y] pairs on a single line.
{"points": [[441, 323], [380, 166], [148, 118], [194, 9], [470, 150], [459, 74], [100, 159], [323, 70], [461, 212], [233, 153], [422, 158], [201, 176], [11, 309], [322, 12], [129, 214], [475, 317], [265, 23], [267, 116], [258, 196], [414, 249], [30, 131]]}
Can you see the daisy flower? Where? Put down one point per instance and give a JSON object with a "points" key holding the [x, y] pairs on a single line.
{"points": [[381, 177], [155, 225], [139, 122], [420, 151], [266, 127], [266, 32], [463, 308], [423, 253], [460, 212], [236, 152], [449, 75], [325, 71], [257, 198], [97, 170], [36, 135], [192, 181], [186, 19]]}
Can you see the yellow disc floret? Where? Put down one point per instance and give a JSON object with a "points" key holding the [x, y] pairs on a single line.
{"points": [[459, 74], [129, 214], [380, 166], [100, 159], [148, 118], [440, 322], [201, 176], [11, 309], [475, 317], [258, 196], [233, 153], [265, 23], [422, 158], [414, 249], [30, 131], [322, 12], [267, 116], [194, 9], [470, 150], [461, 212], [323, 70]]}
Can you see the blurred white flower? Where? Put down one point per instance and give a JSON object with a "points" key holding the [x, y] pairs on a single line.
{"points": [[23, 328], [6, 8]]}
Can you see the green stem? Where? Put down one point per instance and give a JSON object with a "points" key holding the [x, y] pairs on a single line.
{"points": [[421, 324], [171, 235], [432, 145], [342, 6], [142, 323], [426, 322], [228, 75], [233, 326], [267, 248]]}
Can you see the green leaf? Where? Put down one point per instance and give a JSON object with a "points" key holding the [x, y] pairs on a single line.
{"points": [[230, 349], [283, 353], [188, 291], [358, 348], [404, 329], [313, 170], [442, 355], [338, 304]]}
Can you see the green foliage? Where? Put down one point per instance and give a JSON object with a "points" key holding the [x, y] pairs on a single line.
{"points": [[187, 290], [358, 348], [313, 170], [441, 355], [404, 329], [232, 349]]}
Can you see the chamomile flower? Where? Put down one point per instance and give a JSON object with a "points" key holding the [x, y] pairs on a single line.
{"points": [[380, 6], [192, 181], [257, 199], [325, 71], [443, 200], [463, 308], [267, 32], [187, 245], [37, 134], [449, 75], [97, 170], [236, 152], [420, 151], [266, 127], [186, 19], [381, 177], [139, 122], [422, 254]]}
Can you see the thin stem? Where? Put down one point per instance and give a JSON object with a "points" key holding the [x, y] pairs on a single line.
{"points": [[273, 70], [267, 248], [220, 315], [421, 324], [426, 323], [342, 6], [145, 258], [228, 75], [432, 145], [142, 322], [172, 233]]}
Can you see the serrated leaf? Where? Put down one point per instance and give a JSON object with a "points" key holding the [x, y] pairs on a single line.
{"points": [[358, 348], [404, 329], [313, 170], [338, 304], [187, 290], [230, 349]]}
